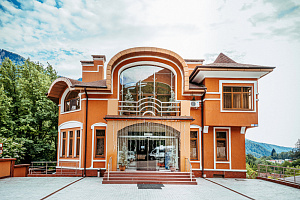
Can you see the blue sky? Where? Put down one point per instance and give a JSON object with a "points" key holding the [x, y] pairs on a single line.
{"points": [[265, 32]]}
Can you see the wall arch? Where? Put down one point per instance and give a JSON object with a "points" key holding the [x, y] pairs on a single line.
{"points": [[153, 52]]}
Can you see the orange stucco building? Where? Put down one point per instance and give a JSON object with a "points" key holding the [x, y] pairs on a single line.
{"points": [[155, 110]]}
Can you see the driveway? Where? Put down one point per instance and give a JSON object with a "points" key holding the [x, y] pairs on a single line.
{"points": [[92, 188]]}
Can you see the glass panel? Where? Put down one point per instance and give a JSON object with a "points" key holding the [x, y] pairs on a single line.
{"points": [[237, 89], [100, 132], [236, 100], [70, 147], [246, 103], [194, 134], [77, 146], [100, 146], [227, 100], [221, 135], [150, 146], [193, 150], [63, 147], [226, 89], [71, 134], [246, 89], [72, 101], [221, 149], [77, 142], [64, 134], [146, 81]]}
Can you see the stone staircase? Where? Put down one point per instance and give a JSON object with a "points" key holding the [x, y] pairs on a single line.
{"points": [[149, 177]]}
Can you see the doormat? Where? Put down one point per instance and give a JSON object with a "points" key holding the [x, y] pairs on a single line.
{"points": [[150, 186]]}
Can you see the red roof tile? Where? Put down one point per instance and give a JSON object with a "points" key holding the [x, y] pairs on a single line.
{"points": [[222, 58]]}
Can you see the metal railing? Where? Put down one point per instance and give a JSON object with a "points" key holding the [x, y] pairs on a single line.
{"points": [[52, 167], [149, 105], [109, 167], [286, 174], [189, 168]]}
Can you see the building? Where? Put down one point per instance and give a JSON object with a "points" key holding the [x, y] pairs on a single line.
{"points": [[157, 109]]}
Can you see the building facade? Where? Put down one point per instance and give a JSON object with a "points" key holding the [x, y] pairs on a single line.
{"points": [[154, 110]]}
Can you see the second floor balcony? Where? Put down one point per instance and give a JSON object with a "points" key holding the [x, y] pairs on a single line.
{"points": [[149, 106]]}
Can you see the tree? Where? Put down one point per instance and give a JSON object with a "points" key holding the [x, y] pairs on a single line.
{"points": [[13, 148], [296, 150], [26, 113], [9, 79], [274, 154], [5, 117]]}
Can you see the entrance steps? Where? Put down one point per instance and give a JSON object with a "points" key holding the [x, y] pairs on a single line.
{"points": [[149, 177]]}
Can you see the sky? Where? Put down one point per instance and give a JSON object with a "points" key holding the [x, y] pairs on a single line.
{"points": [[262, 32]]}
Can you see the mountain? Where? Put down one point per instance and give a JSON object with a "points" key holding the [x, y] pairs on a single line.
{"points": [[259, 149], [15, 58]]}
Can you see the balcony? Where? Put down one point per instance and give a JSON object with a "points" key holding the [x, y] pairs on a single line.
{"points": [[149, 106]]}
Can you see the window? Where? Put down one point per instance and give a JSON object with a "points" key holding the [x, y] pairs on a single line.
{"points": [[77, 143], [148, 81], [194, 145], [239, 98], [63, 153], [100, 136], [72, 101], [221, 141], [71, 143]]}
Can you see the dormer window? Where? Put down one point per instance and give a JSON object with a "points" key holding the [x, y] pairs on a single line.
{"points": [[72, 101]]}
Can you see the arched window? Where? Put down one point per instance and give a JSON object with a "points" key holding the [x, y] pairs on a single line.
{"points": [[72, 101], [147, 81]]}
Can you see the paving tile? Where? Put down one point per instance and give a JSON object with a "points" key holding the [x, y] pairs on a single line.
{"points": [[92, 188]]}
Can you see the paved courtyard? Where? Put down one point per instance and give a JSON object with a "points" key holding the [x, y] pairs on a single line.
{"points": [[92, 188]]}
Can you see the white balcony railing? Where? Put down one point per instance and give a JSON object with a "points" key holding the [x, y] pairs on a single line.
{"points": [[149, 106]]}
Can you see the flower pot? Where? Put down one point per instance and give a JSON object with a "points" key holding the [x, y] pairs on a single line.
{"points": [[122, 168], [173, 169]]}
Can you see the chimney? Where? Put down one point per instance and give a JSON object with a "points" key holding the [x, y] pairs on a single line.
{"points": [[192, 63], [93, 70]]}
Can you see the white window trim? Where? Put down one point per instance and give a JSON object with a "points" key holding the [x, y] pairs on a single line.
{"points": [[61, 128], [75, 142], [68, 139], [100, 124], [194, 126], [228, 145], [62, 103], [254, 93]]}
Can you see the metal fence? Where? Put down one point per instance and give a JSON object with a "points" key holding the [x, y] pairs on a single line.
{"points": [[149, 105], [286, 174], [52, 167]]}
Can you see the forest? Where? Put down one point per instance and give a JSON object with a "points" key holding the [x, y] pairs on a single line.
{"points": [[28, 119]]}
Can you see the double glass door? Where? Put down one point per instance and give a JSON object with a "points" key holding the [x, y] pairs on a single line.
{"points": [[150, 152]]}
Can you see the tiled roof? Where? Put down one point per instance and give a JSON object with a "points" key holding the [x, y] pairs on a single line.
{"points": [[223, 61], [235, 65], [222, 58]]}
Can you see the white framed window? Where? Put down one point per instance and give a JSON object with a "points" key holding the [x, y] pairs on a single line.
{"points": [[238, 95]]}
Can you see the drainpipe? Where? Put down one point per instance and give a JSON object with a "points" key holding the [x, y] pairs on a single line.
{"points": [[86, 121], [202, 127]]}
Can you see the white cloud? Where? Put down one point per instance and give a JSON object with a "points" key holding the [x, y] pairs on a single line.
{"points": [[258, 32]]}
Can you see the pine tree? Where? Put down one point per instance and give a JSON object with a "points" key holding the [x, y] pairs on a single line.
{"points": [[5, 117], [274, 154]]}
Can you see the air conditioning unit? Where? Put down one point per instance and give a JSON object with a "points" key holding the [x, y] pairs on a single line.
{"points": [[195, 104]]}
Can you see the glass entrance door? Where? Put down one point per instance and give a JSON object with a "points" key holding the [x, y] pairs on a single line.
{"points": [[148, 146], [150, 153]]}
